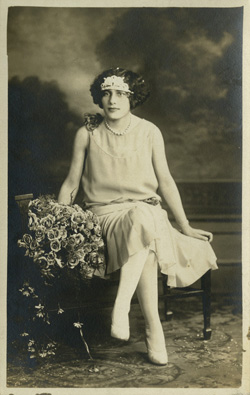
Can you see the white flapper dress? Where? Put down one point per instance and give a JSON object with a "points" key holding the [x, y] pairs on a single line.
{"points": [[117, 179]]}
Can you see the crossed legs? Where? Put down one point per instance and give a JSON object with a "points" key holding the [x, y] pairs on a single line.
{"points": [[140, 273], [129, 277], [147, 293]]}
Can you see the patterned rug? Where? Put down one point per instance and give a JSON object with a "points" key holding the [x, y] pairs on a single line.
{"points": [[193, 362]]}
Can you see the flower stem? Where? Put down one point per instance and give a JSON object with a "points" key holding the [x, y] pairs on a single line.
{"points": [[86, 344]]}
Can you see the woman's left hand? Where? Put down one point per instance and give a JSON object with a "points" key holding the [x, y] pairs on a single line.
{"points": [[197, 233]]}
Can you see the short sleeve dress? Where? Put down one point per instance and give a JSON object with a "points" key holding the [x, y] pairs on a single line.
{"points": [[119, 185]]}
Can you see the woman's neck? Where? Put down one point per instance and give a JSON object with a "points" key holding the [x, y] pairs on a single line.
{"points": [[120, 124]]}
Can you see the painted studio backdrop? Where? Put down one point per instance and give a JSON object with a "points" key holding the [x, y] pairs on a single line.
{"points": [[190, 57]]}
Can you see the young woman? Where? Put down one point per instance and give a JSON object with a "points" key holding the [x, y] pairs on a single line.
{"points": [[120, 160]]}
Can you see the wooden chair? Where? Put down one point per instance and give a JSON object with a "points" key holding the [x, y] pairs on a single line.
{"points": [[168, 294], [178, 293]]}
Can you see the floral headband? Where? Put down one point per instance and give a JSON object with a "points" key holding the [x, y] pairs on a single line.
{"points": [[115, 82]]}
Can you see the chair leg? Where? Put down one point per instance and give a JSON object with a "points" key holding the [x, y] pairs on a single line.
{"points": [[206, 299], [168, 313]]}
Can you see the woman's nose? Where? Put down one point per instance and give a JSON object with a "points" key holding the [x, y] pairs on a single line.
{"points": [[112, 98]]}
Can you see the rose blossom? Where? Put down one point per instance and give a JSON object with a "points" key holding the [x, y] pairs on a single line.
{"points": [[80, 253], [53, 234], [27, 239], [48, 221], [71, 242], [40, 234], [33, 221], [55, 245], [42, 260], [63, 233], [87, 247], [73, 261], [90, 225], [78, 217], [33, 245], [51, 258]]}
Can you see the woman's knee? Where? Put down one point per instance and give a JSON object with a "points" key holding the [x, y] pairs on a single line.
{"points": [[151, 258]]}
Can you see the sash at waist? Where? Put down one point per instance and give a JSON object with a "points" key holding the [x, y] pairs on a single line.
{"points": [[110, 208]]}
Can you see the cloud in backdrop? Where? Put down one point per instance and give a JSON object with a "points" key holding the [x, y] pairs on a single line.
{"points": [[59, 44], [190, 57]]}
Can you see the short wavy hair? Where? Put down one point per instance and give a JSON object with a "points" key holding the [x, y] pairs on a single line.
{"points": [[136, 84]]}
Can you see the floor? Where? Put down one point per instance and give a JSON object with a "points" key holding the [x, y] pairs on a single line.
{"points": [[193, 362]]}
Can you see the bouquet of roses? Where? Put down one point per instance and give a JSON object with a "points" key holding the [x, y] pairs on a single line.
{"points": [[63, 236]]}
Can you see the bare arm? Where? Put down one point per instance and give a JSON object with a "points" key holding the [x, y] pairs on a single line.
{"points": [[170, 191], [70, 186]]}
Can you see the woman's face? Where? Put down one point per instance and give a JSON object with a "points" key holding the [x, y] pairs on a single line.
{"points": [[115, 104]]}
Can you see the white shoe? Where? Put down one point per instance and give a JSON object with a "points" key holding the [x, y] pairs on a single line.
{"points": [[159, 356], [120, 325]]}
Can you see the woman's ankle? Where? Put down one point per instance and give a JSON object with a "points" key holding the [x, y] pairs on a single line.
{"points": [[155, 338], [120, 324]]}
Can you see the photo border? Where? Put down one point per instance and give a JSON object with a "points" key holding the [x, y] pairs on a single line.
{"points": [[4, 5]]}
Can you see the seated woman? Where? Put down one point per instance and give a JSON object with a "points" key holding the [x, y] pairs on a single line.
{"points": [[120, 161]]}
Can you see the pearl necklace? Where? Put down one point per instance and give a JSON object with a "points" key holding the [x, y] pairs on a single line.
{"points": [[118, 133]]}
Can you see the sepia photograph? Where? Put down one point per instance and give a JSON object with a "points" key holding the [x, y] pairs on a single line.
{"points": [[124, 258]]}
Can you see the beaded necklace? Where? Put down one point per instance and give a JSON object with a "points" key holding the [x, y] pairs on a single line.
{"points": [[115, 132]]}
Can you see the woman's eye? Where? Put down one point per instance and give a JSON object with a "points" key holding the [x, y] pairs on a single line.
{"points": [[106, 93], [121, 93]]}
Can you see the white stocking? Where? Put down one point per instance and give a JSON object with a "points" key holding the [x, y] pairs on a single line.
{"points": [[147, 293], [129, 278]]}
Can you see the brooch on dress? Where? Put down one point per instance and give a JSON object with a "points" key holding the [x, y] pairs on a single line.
{"points": [[153, 200], [92, 121]]}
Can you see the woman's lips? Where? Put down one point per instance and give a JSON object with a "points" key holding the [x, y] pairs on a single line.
{"points": [[113, 109]]}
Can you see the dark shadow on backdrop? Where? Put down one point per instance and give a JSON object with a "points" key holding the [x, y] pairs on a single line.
{"points": [[41, 133]]}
